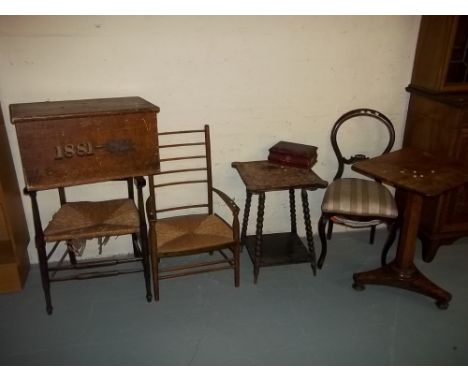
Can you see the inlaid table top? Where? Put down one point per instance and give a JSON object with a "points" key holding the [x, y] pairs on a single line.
{"points": [[415, 170], [261, 176]]}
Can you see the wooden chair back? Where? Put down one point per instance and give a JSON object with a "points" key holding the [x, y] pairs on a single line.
{"points": [[185, 158], [340, 123]]}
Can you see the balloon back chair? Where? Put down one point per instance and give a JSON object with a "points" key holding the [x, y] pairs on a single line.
{"points": [[353, 202], [178, 229]]}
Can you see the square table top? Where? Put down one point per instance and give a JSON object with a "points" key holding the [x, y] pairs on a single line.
{"points": [[415, 170], [259, 176]]}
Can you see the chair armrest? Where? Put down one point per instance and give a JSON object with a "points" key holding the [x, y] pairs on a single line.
{"points": [[229, 202]]}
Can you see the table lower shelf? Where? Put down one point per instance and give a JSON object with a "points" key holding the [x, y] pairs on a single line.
{"points": [[279, 249]]}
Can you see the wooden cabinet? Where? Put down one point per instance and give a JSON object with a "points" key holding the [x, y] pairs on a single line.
{"points": [[14, 236], [441, 60], [437, 120]]}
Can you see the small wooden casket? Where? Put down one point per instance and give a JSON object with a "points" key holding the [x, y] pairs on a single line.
{"points": [[67, 143]]}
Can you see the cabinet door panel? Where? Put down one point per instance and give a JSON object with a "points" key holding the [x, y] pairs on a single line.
{"points": [[456, 213], [440, 60], [431, 125]]}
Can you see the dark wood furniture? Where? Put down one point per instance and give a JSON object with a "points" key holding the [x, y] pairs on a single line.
{"points": [[69, 143], [419, 175], [186, 170], [260, 177], [437, 121], [14, 235], [357, 202], [441, 62]]}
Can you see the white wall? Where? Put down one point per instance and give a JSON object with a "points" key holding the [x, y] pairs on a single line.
{"points": [[255, 80]]}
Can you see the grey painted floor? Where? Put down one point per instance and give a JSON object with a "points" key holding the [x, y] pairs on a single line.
{"points": [[289, 318]]}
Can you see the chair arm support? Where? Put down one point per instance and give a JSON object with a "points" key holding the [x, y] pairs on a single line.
{"points": [[140, 183], [235, 212], [229, 202]]}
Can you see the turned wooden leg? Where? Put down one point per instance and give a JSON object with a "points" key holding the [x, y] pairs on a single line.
{"points": [[292, 210], [309, 235], [245, 221], [236, 252], [258, 238]]}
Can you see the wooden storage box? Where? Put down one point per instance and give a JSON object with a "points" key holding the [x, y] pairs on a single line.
{"points": [[68, 143]]}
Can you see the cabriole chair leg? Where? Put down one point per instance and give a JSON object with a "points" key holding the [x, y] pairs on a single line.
{"points": [[330, 230], [323, 240]]}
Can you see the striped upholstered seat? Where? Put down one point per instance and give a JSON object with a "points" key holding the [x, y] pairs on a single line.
{"points": [[359, 197]]}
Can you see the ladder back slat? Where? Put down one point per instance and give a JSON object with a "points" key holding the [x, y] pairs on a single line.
{"points": [[182, 170], [181, 207], [182, 144], [181, 182], [182, 158], [181, 132]]}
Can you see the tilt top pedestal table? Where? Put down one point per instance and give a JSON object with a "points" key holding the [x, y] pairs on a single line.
{"points": [[418, 174]]}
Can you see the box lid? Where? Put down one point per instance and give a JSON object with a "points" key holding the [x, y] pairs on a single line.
{"points": [[294, 149], [22, 112]]}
